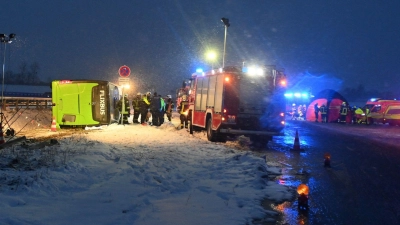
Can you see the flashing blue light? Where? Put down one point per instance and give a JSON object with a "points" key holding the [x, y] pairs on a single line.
{"points": [[199, 70], [304, 95], [297, 95], [288, 95]]}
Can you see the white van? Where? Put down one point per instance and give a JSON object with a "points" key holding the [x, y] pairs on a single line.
{"points": [[392, 115]]}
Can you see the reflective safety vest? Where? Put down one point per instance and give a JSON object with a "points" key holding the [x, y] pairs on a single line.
{"points": [[136, 103], [359, 111], [343, 111], [162, 105], [183, 107], [323, 109]]}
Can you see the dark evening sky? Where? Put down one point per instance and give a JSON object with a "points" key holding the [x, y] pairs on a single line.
{"points": [[340, 43]]}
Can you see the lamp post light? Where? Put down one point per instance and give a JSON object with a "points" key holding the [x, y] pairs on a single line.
{"points": [[211, 56], [6, 40], [226, 24]]}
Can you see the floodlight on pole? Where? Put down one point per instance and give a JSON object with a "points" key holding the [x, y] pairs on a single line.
{"points": [[226, 24], [211, 56]]}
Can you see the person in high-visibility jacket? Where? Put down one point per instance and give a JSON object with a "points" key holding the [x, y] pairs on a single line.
{"points": [[359, 115], [144, 108], [324, 112], [162, 110], [183, 111]]}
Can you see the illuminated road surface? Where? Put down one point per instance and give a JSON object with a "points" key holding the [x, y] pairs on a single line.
{"points": [[362, 186]]}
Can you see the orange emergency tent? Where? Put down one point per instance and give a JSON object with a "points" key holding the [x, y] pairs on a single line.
{"points": [[330, 98]]}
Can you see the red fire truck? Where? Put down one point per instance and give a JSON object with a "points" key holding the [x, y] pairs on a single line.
{"points": [[238, 101]]}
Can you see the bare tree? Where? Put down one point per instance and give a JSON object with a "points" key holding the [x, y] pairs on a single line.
{"points": [[33, 75], [22, 77]]}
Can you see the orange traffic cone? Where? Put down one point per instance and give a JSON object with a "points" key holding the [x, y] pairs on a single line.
{"points": [[54, 124], [296, 145], [1, 134]]}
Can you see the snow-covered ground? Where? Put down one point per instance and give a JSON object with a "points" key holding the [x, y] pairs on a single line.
{"points": [[136, 174]]}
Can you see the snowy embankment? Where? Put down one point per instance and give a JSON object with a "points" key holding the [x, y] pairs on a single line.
{"points": [[135, 174]]}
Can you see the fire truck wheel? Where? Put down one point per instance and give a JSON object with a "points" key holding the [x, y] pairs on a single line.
{"points": [[211, 135], [259, 141], [222, 138]]}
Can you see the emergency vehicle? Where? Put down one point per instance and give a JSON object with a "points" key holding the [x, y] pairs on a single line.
{"points": [[238, 101], [392, 115], [377, 108]]}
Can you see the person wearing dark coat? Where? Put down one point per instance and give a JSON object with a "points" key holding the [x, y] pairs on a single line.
{"points": [[169, 107], [155, 109], [136, 107]]}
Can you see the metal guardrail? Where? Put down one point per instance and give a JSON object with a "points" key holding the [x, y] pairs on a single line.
{"points": [[25, 102]]}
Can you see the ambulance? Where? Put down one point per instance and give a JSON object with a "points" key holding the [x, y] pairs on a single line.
{"points": [[392, 115], [377, 108]]}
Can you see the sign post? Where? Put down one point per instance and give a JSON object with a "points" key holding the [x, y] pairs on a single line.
{"points": [[124, 72]]}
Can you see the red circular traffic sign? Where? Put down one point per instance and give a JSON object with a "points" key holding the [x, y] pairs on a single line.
{"points": [[124, 71]]}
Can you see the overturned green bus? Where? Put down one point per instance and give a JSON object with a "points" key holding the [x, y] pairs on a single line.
{"points": [[80, 103]]}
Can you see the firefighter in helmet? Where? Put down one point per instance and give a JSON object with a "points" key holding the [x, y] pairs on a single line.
{"points": [[136, 107], [324, 110], [123, 107], [183, 110], [343, 112], [316, 111], [169, 106]]}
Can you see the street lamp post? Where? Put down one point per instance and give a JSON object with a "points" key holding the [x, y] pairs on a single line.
{"points": [[6, 40], [226, 24]]}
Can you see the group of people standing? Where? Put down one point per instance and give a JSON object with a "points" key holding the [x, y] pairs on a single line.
{"points": [[146, 106], [347, 114], [298, 113]]}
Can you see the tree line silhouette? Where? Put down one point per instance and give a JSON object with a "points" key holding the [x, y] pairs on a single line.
{"points": [[26, 74]]}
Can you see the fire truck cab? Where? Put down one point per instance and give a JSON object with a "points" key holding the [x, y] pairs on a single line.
{"points": [[377, 108], [238, 101]]}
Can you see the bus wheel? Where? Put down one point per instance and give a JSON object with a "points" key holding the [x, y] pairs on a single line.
{"points": [[211, 135]]}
